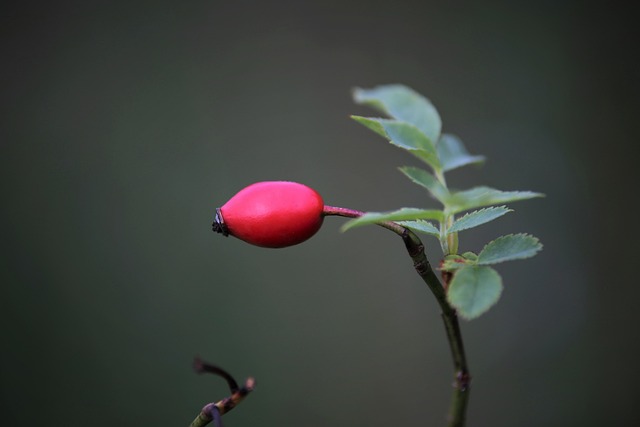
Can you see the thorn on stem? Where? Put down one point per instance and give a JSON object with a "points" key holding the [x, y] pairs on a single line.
{"points": [[463, 381]]}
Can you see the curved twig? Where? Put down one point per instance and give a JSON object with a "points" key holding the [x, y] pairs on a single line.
{"points": [[213, 411]]}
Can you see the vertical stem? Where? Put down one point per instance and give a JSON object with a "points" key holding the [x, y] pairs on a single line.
{"points": [[415, 248], [460, 396], [462, 381], [452, 239], [444, 242]]}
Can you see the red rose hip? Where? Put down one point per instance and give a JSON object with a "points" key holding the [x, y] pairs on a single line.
{"points": [[271, 214]]}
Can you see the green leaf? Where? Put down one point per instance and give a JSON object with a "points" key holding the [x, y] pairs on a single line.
{"points": [[428, 181], [373, 124], [470, 256], [403, 103], [453, 155], [478, 197], [422, 227], [399, 215], [510, 247], [473, 290], [404, 135], [479, 217]]}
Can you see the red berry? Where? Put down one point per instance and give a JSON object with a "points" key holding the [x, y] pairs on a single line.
{"points": [[272, 214]]}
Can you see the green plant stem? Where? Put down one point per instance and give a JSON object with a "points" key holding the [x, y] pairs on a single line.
{"points": [[415, 248], [203, 418]]}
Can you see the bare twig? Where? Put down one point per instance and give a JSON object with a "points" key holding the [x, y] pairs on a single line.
{"points": [[213, 411]]}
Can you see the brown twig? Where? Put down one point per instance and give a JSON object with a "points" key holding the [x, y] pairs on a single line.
{"points": [[213, 411]]}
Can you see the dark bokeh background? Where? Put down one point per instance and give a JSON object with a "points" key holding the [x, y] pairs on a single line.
{"points": [[124, 124]]}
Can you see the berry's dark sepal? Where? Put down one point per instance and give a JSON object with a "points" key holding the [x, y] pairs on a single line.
{"points": [[218, 224]]}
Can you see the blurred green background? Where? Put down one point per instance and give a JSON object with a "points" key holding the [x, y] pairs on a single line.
{"points": [[125, 124]]}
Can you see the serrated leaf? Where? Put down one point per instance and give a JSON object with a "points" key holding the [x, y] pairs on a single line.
{"points": [[403, 103], [510, 247], [473, 290], [453, 154], [428, 181], [478, 197], [422, 227], [404, 135], [398, 215], [476, 218]]}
